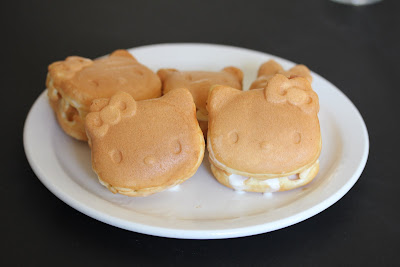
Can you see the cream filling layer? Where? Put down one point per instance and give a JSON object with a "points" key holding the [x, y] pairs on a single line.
{"points": [[220, 165], [241, 183]]}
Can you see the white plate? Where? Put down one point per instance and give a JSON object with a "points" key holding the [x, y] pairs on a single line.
{"points": [[201, 208]]}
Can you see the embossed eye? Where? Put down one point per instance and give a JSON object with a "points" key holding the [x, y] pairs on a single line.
{"points": [[176, 147], [297, 138], [233, 137], [116, 156]]}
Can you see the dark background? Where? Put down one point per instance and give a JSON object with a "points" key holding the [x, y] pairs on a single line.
{"points": [[356, 48]]}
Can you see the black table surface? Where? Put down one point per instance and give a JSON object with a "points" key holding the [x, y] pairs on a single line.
{"points": [[355, 48]]}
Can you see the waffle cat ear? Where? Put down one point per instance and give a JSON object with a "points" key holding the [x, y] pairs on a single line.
{"points": [[164, 73], [122, 53], [182, 99], [235, 71], [296, 91], [299, 71], [218, 95], [66, 69], [271, 67], [268, 68]]}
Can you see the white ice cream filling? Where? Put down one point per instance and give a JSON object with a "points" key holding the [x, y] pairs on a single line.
{"points": [[239, 182]]}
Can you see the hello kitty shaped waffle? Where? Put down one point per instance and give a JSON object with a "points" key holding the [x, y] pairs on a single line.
{"points": [[140, 148], [76, 81], [264, 140], [199, 84]]}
